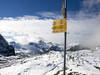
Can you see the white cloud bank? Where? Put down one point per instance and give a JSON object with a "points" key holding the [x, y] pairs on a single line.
{"points": [[50, 15], [27, 28]]}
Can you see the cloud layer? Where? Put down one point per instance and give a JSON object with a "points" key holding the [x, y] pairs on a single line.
{"points": [[91, 7], [27, 28], [84, 30]]}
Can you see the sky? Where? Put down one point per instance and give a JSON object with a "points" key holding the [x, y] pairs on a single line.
{"points": [[15, 8], [30, 20]]}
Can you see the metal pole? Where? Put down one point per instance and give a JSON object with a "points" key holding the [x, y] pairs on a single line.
{"points": [[65, 39]]}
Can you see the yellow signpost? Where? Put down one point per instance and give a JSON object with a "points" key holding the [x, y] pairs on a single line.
{"points": [[59, 26]]}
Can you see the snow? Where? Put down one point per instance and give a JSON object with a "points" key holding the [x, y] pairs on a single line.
{"points": [[83, 62], [37, 65]]}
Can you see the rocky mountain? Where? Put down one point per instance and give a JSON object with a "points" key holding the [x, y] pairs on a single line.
{"points": [[40, 47], [5, 48]]}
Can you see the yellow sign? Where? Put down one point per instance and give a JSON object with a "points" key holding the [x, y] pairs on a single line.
{"points": [[59, 26]]}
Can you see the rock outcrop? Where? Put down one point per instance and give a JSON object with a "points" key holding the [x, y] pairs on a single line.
{"points": [[5, 48]]}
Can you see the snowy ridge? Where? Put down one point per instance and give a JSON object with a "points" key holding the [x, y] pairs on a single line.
{"points": [[81, 62], [27, 51], [40, 47]]}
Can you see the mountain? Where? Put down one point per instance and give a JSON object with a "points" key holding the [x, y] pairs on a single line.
{"points": [[80, 62], [46, 58], [40, 47], [5, 48]]}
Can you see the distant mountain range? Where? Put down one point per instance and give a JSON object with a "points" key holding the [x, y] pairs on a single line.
{"points": [[37, 48]]}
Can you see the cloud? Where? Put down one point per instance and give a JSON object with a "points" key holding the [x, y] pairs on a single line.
{"points": [[91, 7], [25, 17], [32, 28], [26, 29], [90, 3], [50, 15]]}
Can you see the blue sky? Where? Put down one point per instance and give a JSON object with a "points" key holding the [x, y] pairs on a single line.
{"points": [[15, 8]]}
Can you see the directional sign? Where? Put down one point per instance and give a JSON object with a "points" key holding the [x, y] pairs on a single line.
{"points": [[59, 26]]}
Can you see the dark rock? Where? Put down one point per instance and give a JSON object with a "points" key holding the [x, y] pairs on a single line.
{"points": [[97, 67], [11, 50], [15, 45], [75, 73], [34, 44], [77, 48], [5, 48], [55, 48], [3, 42]]}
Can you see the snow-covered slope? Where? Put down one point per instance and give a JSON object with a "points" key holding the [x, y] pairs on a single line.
{"points": [[82, 62]]}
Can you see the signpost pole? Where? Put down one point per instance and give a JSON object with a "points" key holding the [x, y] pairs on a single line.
{"points": [[65, 39]]}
